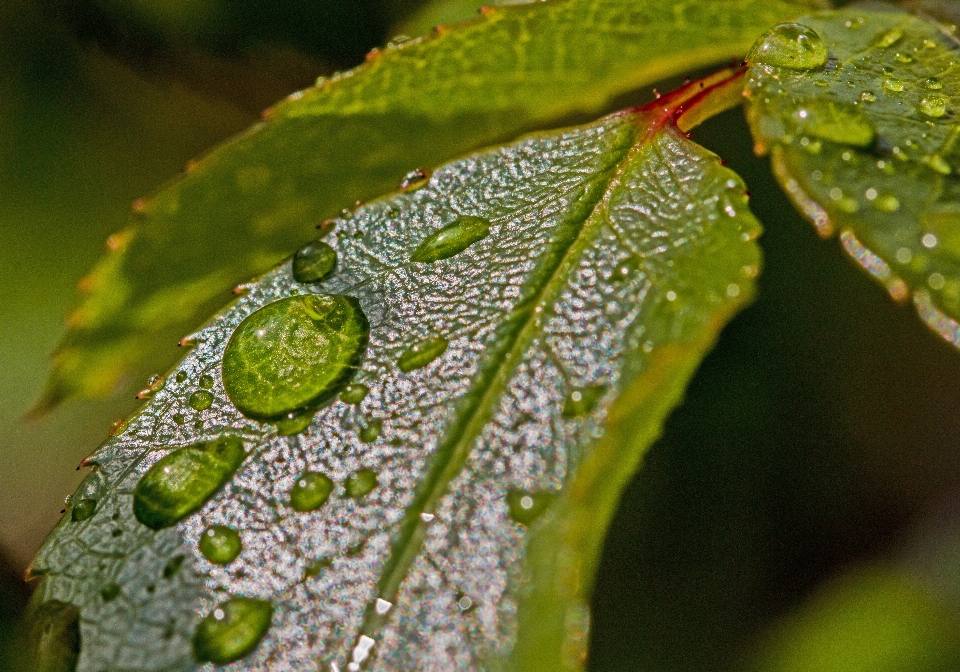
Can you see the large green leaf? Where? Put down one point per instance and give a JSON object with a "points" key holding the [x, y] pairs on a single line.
{"points": [[513, 331], [248, 204], [863, 131]]}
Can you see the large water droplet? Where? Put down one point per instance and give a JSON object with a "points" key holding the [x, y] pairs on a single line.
{"points": [[360, 483], [526, 506], [310, 492], [420, 354], [55, 635], [201, 400], [314, 263], [582, 400], [354, 393], [294, 354], [835, 122], [790, 45], [371, 431], [888, 38], [933, 105], [452, 239], [220, 544], [83, 509], [232, 630], [181, 482]]}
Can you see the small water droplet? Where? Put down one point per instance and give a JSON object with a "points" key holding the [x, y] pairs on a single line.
{"points": [[206, 381], [582, 400], [525, 506], [232, 630], [415, 179], [179, 418], [294, 354], [181, 483], [220, 544], [903, 57], [181, 376], [420, 354], [382, 606], [929, 241], [887, 203], [936, 281], [360, 483], [625, 269], [893, 84], [904, 255], [790, 45], [110, 592], [371, 432], [294, 423], [173, 566], [83, 509], [933, 105], [55, 635], [310, 491], [452, 239], [934, 83], [201, 400], [868, 97], [464, 603], [835, 122], [888, 38], [314, 262], [354, 393]]}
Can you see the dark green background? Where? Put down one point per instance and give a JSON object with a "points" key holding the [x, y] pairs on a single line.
{"points": [[820, 437]]}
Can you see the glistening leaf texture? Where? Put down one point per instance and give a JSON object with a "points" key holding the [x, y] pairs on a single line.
{"points": [[251, 202], [864, 138], [463, 532]]}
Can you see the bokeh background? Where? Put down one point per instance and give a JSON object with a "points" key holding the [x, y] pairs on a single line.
{"points": [[801, 512]]}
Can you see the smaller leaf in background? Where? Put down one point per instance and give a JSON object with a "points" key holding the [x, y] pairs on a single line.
{"points": [[861, 113]]}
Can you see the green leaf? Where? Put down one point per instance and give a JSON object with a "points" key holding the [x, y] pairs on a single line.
{"points": [[249, 203], [866, 144], [463, 533]]}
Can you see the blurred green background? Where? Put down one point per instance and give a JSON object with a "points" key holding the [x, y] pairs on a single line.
{"points": [[801, 511]]}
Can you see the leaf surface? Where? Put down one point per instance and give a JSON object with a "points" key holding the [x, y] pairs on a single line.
{"points": [[446, 511], [249, 203], [866, 144]]}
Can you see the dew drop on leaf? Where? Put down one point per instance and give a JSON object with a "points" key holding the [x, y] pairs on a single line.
{"points": [[310, 491], [360, 483], [232, 630], [835, 122], [55, 634], [83, 509], [933, 105], [181, 482], [314, 262], [371, 431], [415, 179], [220, 544], [581, 401], [294, 354], [526, 506], [181, 376], [206, 381], [294, 423], [201, 400], [420, 354], [354, 393], [934, 83], [109, 592], [868, 97], [888, 38], [452, 239], [893, 84], [790, 45]]}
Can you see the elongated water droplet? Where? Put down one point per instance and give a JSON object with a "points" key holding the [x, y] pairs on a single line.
{"points": [[55, 635], [294, 423], [835, 122], [452, 239], [294, 354], [525, 506], [314, 263], [933, 105], [415, 179], [582, 400], [310, 492], [371, 432], [360, 483], [420, 354], [232, 630], [354, 393], [790, 45], [220, 544], [888, 38], [182, 482], [109, 592], [83, 509], [201, 400]]}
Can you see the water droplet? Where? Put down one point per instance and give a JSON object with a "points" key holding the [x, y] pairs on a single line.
{"points": [[415, 179], [294, 423], [904, 255], [936, 281], [835, 122], [464, 603], [317, 566], [201, 400], [452, 239], [933, 105], [181, 483], [83, 509], [173, 566], [232, 630], [790, 45], [354, 393], [110, 592], [581, 401], [179, 418], [868, 97], [887, 203], [294, 354], [420, 354], [893, 84], [220, 544], [625, 269], [525, 507], [427, 517], [933, 83], [938, 163], [310, 492], [361, 652], [903, 57], [360, 483], [382, 606], [314, 262], [181, 376], [206, 381], [55, 634], [371, 432], [888, 38]]}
